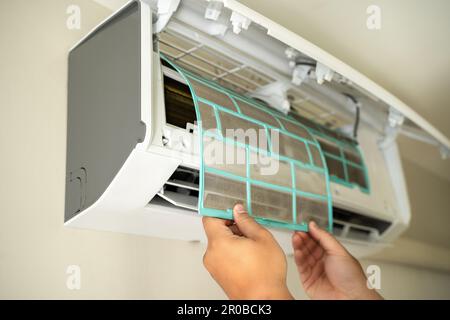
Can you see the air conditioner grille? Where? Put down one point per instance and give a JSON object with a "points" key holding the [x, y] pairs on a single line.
{"points": [[181, 189], [345, 217], [237, 76]]}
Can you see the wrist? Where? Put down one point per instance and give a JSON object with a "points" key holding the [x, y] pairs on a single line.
{"points": [[269, 293], [374, 295], [370, 294]]}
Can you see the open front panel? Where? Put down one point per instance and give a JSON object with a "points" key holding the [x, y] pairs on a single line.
{"points": [[259, 157]]}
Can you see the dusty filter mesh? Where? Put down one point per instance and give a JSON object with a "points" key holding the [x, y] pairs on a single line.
{"points": [[254, 155]]}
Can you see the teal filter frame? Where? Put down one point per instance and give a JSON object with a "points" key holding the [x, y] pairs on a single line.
{"points": [[291, 198], [349, 164], [348, 154]]}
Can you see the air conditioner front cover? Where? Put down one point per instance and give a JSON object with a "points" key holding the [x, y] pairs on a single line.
{"points": [[257, 156]]}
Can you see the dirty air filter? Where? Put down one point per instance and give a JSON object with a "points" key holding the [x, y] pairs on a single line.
{"points": [[252, 154], [343, 157]]}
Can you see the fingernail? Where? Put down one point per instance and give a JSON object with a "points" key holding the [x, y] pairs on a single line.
{"points": [[238, 208], [313, 224]]}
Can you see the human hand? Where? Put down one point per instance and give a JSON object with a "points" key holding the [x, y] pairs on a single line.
{"points": [[327, 270], [244, 258]]}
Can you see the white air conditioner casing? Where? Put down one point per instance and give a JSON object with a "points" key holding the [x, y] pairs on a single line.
{"points": [[118, 160]]}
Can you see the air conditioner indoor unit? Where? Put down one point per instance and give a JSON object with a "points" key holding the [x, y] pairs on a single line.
{"points": [[158, 83]]}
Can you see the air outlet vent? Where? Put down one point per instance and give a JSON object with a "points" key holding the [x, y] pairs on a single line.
{"points": [[181, 190], [351, 225]]}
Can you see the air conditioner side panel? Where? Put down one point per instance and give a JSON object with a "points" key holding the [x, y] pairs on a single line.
{"points": [[104, 121], [121, 207]]}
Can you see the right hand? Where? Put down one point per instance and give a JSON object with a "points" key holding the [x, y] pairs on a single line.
{"points": [[244, 258], [327, 270]]}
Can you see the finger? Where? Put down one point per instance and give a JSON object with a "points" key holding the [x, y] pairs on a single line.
{"points": [[301, 258], [311, 261], [325, 240], [301, 253], [307, 254], [314, 274], [312, 251], [310, 243], [304, 235], [305, 242], [215, 228], [314, 248], [317, 252], [305, 275], [297, 241], [246, 224], [234, 228], [229, 222], [304, 269]]}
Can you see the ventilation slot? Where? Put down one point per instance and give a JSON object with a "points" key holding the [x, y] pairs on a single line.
{"points": [[359, 234], [338, 229], [181, 190], [351, 225]]}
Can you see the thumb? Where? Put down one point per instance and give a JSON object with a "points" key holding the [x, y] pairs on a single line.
{"points": [[326, 240], [246, 224]]}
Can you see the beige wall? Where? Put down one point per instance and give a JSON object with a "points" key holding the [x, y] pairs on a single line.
{"points": [[35, 248], [431, 194]]}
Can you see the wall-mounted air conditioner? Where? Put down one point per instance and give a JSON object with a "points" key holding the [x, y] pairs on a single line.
{"points": [[152, 88]]}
